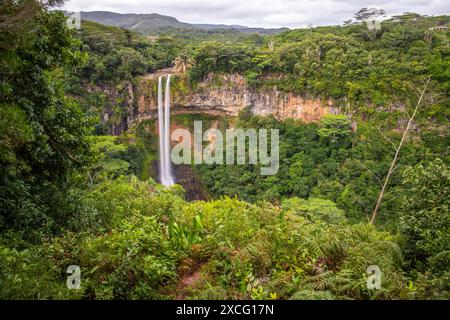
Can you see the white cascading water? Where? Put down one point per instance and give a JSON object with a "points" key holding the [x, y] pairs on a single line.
{"points": [[165, 168]]}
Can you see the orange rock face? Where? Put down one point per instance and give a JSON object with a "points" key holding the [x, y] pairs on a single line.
{"points": [[227, 95]]}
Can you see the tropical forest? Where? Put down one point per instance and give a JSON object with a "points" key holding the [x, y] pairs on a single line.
{"points": [[356, 208]]}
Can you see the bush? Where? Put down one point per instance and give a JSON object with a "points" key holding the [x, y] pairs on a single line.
{"points": [[27, 274], [314, 209], [425, 216]]}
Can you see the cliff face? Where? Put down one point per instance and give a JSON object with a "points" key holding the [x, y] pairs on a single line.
{"points": [[115, 104], [220, 95]]}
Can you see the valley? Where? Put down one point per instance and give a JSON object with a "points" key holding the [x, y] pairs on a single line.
{"points": [[87, 176]]}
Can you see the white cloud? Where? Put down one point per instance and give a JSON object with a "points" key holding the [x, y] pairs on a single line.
{"points": [[259, 13]]}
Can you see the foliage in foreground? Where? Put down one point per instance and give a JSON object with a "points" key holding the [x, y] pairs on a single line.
{"points": [[304, 249]]}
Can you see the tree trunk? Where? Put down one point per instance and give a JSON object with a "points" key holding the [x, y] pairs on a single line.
{"points": [[394, 161]]}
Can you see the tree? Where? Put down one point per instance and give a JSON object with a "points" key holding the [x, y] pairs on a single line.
{"points": [[314, 209], [108, 159], [370, 16], [14, 15], [299, 175], [43, 137], [334, 127], [367, 14], [183, 62]]}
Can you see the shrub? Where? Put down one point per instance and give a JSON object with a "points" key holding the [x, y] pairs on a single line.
{"points": [[314, 209], [425, 216]]}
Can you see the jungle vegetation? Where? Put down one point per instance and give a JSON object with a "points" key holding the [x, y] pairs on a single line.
{"points": [[73, 194]]}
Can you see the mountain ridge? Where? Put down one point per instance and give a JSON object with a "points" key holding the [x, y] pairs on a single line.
{"points": [[148, 23]]}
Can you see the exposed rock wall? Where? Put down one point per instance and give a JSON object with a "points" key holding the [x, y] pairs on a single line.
{"points": [[227, 95], [217, 95]]}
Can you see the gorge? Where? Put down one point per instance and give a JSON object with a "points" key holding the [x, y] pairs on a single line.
{"points": [[217, 95], [85, 120]]}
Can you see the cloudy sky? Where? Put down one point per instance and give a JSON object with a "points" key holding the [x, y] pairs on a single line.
{"points": [[260, 13]]}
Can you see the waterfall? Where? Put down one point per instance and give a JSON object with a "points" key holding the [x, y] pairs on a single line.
{"points": [[165, 167]]}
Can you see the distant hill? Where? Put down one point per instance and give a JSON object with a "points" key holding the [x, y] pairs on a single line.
{"points": [[156, 23], [240, 28]]}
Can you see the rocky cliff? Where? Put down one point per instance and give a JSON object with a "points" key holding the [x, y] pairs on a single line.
{"points": [[216, 95], [228, 94]]}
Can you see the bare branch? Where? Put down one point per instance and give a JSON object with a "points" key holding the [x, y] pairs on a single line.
{"points": [[394, 161], [418, 91], [395, 147]]}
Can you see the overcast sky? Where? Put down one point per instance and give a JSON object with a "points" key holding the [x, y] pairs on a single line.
{"points": [[260, 13]]}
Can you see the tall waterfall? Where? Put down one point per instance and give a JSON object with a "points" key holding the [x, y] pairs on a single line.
{"points": [[165, 167]]}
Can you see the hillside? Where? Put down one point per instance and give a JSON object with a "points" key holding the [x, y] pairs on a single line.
{"points": [[156, 23]]}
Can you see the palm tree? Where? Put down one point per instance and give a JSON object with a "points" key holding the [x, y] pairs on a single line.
{"points": [[183, 62]]}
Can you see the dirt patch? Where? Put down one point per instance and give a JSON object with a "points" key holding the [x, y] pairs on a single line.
{"points": [[187, 280], [191, 275]]}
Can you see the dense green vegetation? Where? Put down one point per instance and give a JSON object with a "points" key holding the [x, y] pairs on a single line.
{"points": [[304, 249], [43, 132], [365, 75], [326, 160], [115, 54], [71, 195]]}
